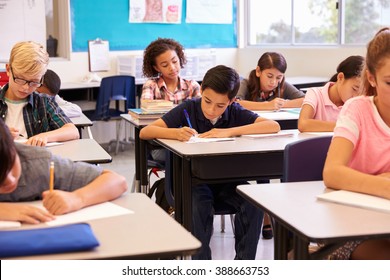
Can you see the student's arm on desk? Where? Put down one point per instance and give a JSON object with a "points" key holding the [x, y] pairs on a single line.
{"points": [[159, 129], [337, 174], [107, 186], [23, 213], [306, 123], [293, 103], [261, 125], [272, 105], [65, 133]]}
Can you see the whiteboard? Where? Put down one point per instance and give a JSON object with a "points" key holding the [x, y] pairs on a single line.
{"points": [[21, 20]]}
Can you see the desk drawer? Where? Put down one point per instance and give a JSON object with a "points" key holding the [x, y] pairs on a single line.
{"points": [[243, 166]]}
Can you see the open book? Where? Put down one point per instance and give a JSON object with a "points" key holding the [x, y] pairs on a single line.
{"points": [[357, 199]]}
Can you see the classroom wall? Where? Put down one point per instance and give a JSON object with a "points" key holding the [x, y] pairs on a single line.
{"points": [[320, 62]]}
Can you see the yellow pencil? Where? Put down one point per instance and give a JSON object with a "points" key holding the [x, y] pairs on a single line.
{"points": [[51, 183]]}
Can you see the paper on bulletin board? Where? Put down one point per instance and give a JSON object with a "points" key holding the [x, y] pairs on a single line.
{"points": [[99, 55], [156, 11], [209, 12]]}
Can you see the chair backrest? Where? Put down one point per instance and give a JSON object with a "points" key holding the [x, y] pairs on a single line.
{"points": [[119, 87], [304, 160]]}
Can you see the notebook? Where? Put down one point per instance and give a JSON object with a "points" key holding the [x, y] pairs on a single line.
{"points": [[357, 199]]}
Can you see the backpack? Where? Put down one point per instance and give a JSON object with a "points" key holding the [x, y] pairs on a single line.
{"points": [[158, 189]]}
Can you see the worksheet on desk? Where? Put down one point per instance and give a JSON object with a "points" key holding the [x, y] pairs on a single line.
{"points": [[94, 212], [195, 139]]}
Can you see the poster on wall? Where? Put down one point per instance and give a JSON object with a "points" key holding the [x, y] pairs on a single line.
{"points": [[156, 11], [209, 12]]}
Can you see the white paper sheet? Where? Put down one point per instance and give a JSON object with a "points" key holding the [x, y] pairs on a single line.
{"points": [[195, 139], [357, 199]]}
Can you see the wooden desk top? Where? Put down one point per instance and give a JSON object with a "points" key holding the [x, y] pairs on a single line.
{"points": [[296, 206], [147, 233], [87, 150]]}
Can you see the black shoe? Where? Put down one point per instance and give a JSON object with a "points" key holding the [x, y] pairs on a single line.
{"points": [[267, 232]]}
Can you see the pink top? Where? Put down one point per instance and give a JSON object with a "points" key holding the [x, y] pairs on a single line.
{"points": [[359, 122], [156, 89], [324, 108]]}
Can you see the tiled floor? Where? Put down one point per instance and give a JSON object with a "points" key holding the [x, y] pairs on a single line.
{"points": [[222, 244]]}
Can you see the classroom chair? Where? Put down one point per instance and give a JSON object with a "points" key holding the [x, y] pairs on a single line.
{"points": [[114, 88], [304, 161]]}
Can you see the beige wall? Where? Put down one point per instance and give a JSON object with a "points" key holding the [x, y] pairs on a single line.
{"points": [[319, 62]]}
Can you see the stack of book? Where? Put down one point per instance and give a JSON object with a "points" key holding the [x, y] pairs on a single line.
{"points": [[156, 105], [151, 109]]}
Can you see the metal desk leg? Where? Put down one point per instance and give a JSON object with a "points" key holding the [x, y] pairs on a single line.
{"points": [[280, 242], [143, 166], [301, 248], [137, 186], [177, 187], [187, 194]]}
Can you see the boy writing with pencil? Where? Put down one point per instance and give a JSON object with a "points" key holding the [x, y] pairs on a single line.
{"points": [[26, 175], [216, 115]]}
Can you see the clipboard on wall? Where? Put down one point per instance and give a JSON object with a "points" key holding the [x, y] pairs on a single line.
{"points": [[98, 55]]}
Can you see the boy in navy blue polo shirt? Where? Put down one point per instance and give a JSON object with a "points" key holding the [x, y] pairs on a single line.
{"points": [[216, 115]]}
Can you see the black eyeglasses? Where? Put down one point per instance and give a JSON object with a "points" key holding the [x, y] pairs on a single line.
{"points": [[22, 82]]}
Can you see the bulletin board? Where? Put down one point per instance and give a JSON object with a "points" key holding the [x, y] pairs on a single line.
{"points": [[109, 20]]}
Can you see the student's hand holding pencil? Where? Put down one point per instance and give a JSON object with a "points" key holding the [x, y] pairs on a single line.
{"points": [[59, 202], [185, 133], [277, 103]]}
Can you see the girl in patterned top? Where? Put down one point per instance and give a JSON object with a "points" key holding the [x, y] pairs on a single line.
{"points": [[163, 59]]}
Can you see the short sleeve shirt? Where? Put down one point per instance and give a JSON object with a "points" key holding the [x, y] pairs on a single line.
{"points": [[234, 115], [157, 89], [359, 122], [35, 163], [324, 108], [290, 92]]}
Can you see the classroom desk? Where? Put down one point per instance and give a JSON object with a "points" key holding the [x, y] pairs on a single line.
{"points": [[141, 170], [148, 233], [303, 82], [87, 150], [229, 161], [82, 122], [295, 208], [287, 118], [88, 87]]}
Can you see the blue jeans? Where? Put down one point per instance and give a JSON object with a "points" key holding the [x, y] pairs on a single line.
{"points": [[247, 222]]}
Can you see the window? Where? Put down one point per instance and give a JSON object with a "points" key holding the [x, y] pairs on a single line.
{"points": [[57, 28], [315, 22]]}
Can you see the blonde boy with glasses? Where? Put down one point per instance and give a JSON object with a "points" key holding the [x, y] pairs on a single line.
{"points": [[29, 115]]}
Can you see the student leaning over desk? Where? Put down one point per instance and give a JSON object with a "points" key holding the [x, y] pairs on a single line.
{"points": [[216, 115], [163, 60], [27, 113], [24, 176], [322, 105], [51, 86], [358, 157], [266, 88]]}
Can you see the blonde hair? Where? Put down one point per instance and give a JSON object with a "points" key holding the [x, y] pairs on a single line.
{"points": [[377, 50], [29, 58]]}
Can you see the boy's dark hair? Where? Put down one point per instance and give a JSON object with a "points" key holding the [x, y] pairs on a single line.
{"points": [[223, 80], [52, 81], [7, 151], [351, 67], [156, 48]]}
